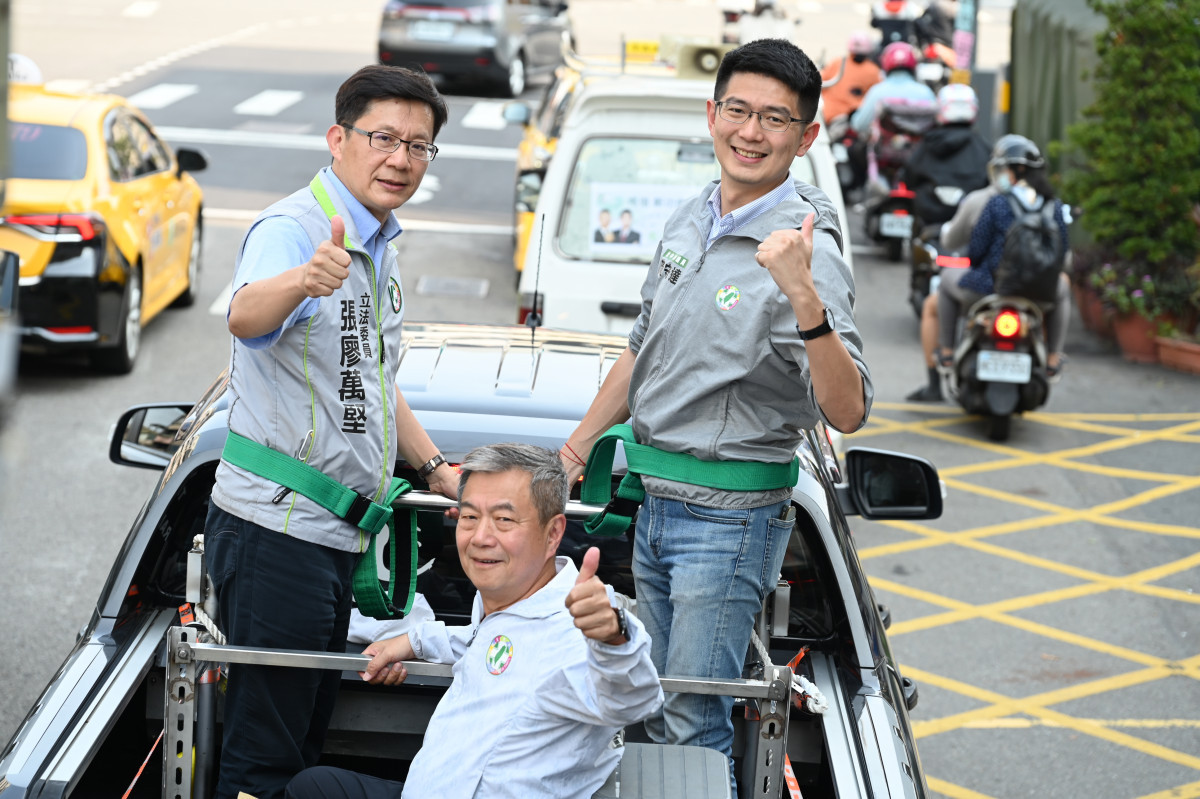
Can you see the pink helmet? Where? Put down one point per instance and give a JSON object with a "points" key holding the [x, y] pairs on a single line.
{"points": [[860, 43], [898, 55], [957, 103]]}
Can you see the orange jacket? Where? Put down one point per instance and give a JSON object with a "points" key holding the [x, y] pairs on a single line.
{"points": [[846, 95]]}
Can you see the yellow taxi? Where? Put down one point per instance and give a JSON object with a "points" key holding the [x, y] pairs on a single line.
{"points": [[105, 219]]}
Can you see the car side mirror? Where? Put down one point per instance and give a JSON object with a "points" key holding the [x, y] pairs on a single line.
{"points": [[517, 113], [146, 436], [189, 160], [889, 485]]}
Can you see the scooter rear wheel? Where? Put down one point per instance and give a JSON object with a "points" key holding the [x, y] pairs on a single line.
{"points": [[999, 427], [895, 249]]}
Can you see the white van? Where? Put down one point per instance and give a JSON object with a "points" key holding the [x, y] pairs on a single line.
{"points": [[631, 150]]}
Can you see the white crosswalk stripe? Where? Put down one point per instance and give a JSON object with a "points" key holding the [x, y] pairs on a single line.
{"points": [[142, 8], [485, 115], [162, 95], [268, 103]]}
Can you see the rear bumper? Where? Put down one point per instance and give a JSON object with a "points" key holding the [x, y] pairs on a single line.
{"points": [[74, 304]]}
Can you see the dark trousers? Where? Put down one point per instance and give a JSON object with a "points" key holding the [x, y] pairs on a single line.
{"points": [[275, 591], [324, 782]]}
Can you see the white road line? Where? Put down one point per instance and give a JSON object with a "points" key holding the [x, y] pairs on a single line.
{"points": [[161, 95], [142, 8], [268, 103], [221, 304], [486, 115], [298, 141]]}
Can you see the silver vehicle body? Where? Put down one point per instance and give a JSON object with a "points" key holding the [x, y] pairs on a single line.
{"points": [[95, 722]]}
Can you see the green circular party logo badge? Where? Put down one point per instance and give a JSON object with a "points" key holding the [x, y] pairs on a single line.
{"points": [[727, 297], [394, 294], [499, 654]]}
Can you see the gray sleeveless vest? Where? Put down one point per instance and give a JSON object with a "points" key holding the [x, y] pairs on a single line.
{"points": [[333, 375]]}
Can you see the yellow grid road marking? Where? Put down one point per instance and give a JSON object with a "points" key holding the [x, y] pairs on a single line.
{"points": [[1005, 712], [954, 791]]}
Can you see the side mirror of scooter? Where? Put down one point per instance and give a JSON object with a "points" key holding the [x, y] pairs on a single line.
{"points": [[889, 485]]}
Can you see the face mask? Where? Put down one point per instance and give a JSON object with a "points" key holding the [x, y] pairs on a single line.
{"points": [[1003, 181]]}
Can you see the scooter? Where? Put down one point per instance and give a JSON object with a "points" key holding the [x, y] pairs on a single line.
{"points": [[890, 208], [928, 261], [999, 366]]}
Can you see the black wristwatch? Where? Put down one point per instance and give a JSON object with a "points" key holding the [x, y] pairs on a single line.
{"points": [[430, 466], [826, 326], [622, 623]]}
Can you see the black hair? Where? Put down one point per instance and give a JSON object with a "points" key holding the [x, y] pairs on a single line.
{"points": [[778, 59], [1035, 177], [626, 211], [382, 82]]}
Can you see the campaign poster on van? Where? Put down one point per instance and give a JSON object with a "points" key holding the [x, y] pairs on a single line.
{"points": [[629, 218]]}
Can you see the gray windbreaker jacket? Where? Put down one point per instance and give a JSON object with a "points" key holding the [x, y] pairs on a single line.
{"points": [[721, 372]]}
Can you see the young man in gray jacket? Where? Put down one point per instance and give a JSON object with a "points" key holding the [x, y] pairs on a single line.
{"points": [[746, 337]]}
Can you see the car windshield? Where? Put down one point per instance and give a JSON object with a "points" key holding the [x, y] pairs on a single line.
{"points": [[623, 190], [47, 152]]}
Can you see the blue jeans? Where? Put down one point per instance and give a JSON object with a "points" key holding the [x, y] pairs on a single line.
{"points": [[701, 575], [274, 590]]}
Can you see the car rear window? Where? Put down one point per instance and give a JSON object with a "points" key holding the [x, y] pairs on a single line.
{"points": [[47, 152], [623, 190], [638, 181]]}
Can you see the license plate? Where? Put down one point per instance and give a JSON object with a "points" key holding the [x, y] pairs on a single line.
{"points": [[432, 30], [897, 226], [930, 72], [1004, 367], [934, 282]]}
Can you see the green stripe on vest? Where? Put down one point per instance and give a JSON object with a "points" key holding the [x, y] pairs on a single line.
{"points": [[614, 520]]}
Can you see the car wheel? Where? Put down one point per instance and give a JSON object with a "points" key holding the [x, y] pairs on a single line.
{"points": [[192, 292], [119, 360], [516, 76]]}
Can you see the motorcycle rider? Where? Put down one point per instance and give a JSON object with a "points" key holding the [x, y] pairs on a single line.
{"points": [[899, 62], [1017, 166], [846, 81], [950, 156], [858, 75]]}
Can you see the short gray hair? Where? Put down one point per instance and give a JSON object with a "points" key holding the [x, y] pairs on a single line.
{"points": [[547, 480]]}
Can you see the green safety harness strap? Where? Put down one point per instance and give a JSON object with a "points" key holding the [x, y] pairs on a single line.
{"points": [[619, 509], [347, 504]]}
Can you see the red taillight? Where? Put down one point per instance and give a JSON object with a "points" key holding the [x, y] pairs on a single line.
{"points": [[484, 13], [1007, 325], [902, 191], [953, 261], [732, 16], [56, 227]]}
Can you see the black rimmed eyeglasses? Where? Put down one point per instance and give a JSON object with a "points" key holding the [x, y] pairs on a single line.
{"points": [[390, 143], [767, 120]]}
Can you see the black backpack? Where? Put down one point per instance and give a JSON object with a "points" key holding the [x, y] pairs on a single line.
{"points": [[1034, 253]]}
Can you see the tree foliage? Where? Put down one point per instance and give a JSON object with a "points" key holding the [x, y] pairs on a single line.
{"points": [[1136, 154]]}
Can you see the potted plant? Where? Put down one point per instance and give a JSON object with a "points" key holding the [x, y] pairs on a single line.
{"points": [[1132, 165]]}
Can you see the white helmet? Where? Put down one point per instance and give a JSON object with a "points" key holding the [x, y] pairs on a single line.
{"points": [[957, 103]]}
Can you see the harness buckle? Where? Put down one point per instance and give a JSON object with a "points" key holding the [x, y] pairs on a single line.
{"points": [[621, 506], [358, 509]]}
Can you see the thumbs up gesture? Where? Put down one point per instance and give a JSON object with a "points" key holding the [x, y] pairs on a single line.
{"points": [[330, 264], [588, 603]]}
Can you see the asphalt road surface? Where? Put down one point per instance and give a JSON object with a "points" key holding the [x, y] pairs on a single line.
{"points": [[1051, 616]]}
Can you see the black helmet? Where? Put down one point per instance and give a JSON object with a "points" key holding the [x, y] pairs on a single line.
{"points": [[1013, 149]]}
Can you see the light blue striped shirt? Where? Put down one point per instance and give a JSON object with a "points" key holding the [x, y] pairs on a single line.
{"points": [[730, 222]]}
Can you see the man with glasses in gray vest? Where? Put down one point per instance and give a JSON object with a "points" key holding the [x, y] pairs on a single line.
{"points": [[315, 316]]}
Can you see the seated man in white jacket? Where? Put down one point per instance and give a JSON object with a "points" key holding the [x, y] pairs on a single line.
{"points": [[545, 675]]}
